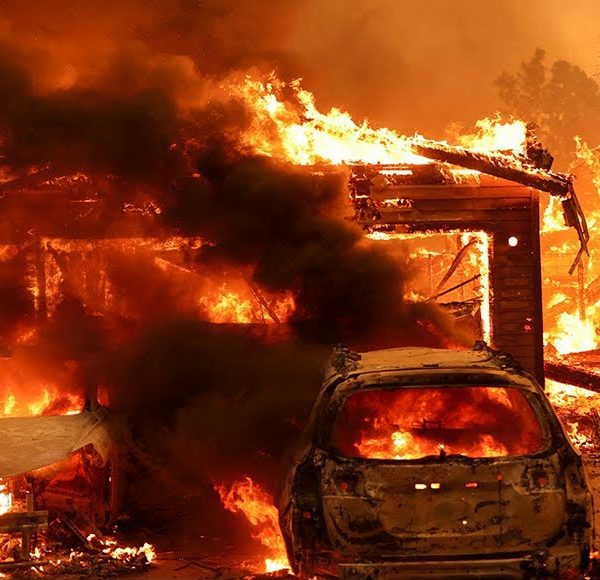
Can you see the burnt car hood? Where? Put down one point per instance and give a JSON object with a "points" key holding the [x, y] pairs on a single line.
{"points": [[28, 443]]}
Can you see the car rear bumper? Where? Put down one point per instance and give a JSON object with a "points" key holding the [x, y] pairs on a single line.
{"points": [[504, 568], [512, 568]]}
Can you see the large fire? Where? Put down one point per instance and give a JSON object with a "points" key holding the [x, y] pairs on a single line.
{"points": [[304, 135], [420, 422], [287, 125]]}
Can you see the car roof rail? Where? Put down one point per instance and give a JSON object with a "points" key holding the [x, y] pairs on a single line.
{"points": [[500, 358], [343, 360]]}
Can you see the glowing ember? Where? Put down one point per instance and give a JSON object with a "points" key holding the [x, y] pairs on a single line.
{"points": [[577, 409], [256, 505], [577, 437], [127, 552], [571, 398], [110, 547]]}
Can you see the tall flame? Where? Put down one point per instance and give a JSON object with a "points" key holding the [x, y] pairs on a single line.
{"points": [[494, 135], [287, 124], [249, 499]]}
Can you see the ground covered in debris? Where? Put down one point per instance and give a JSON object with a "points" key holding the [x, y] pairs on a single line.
{"points": [[220, 557], [213, 559]]}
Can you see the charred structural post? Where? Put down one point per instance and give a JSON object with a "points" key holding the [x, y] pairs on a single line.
{"points": [[37, 277], [506, 211]]}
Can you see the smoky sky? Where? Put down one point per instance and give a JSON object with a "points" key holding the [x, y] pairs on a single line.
{"points": [[418, 66], [408, 65]]}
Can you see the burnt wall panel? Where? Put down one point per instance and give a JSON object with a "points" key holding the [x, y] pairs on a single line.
{"points": [[504, 210]]}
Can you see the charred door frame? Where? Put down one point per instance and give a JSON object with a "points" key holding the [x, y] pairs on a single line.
{"points": [[502, 209]]}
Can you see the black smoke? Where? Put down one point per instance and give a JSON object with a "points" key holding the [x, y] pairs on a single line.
{"points": [[201, 401]]}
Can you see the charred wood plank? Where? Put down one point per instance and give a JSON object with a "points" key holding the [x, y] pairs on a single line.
{"points": [[509, 167], [28, 564], [502, 166], [572, 375], [15, 522]]}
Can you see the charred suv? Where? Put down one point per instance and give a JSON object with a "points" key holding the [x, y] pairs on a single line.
{"points": [[422, 462]]}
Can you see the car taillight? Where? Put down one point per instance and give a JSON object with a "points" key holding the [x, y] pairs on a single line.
{"points": [[346, 482]]}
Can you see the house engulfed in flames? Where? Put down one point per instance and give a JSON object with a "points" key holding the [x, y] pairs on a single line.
{"points": [[470, 213]]}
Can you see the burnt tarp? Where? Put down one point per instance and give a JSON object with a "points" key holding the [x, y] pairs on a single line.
{"points": [[28, 443]]}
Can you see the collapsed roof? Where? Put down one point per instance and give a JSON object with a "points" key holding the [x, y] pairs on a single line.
{"points": [[524, 170]]}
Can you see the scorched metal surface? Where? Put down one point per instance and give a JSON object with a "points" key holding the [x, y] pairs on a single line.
{"points": [[450, 513]]}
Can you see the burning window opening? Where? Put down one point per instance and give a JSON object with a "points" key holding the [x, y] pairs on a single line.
{"points": [[452, 270], [417, 423]]}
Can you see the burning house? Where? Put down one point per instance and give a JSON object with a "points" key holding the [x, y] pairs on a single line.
{"points": [[234, 241]]}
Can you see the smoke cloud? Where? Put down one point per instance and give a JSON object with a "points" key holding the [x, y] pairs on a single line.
{"points": [[134, 94]]}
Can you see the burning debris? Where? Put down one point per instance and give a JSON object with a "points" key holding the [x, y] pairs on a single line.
{"points": [[257, 506], [58, 482], [101, 559]]}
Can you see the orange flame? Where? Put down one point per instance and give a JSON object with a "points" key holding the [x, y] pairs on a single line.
{"points": [[249, 499], [42, 401], [494, 135], [111, 548], [415, 423], [241, 304], [295, 130]]}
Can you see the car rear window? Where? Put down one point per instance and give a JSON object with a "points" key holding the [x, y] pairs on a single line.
{"points": [[412, 423]]}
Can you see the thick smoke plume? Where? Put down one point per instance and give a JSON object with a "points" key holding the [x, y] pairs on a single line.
{"points": [[142, 111]]}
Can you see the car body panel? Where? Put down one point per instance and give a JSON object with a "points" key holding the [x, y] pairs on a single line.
{"points": [[342, 513]]}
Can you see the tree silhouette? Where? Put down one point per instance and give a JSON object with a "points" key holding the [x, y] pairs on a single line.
{"points": [[561, 99]]}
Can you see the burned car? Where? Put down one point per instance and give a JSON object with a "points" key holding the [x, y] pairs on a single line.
{"points": [[420, 462]]}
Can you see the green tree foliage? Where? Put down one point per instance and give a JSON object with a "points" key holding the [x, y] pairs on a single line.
{"points": [[561, 99]]}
